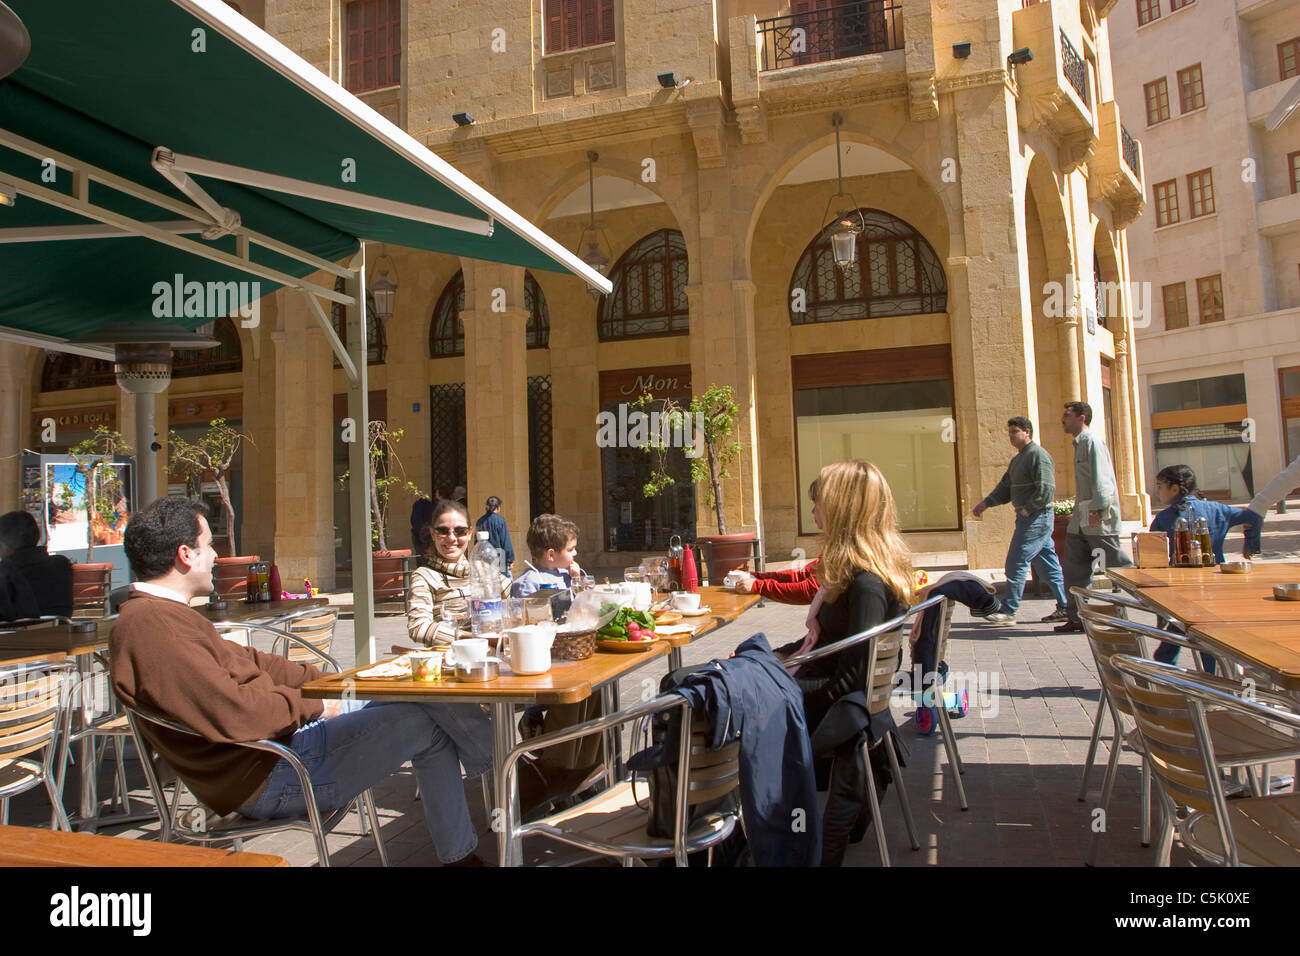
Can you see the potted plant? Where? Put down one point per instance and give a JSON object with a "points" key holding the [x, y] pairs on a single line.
{"points": [[1062, 509], [211, 457], [387, 479], [107, 510], [707, 427]]}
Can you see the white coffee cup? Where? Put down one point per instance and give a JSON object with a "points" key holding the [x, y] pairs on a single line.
{"points": [[686, 601], [469, 650], [527, 648]]}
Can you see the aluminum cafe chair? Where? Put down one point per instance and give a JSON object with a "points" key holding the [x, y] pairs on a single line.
{"points": [[313, 625], [611, 823], [184, 825], [1238, 743], [1104, 603], [1176, 710], [944, 721], [35, 708], [884, 646]]}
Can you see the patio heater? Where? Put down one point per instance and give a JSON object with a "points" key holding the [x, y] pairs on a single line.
{"points": [[844, 233], [142, 365]]}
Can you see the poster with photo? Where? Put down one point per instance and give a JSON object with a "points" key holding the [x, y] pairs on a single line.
{"points": [[68, 515]]}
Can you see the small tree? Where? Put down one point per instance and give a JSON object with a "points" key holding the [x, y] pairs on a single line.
{"points": [[212, 452], [104, 487], [387, 478], [710, 420]]}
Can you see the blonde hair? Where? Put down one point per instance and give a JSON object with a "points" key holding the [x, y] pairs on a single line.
{"points": [[861, 530]]}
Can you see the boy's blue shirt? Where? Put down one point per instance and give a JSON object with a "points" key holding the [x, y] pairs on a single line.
{"points": [[534, 580]]}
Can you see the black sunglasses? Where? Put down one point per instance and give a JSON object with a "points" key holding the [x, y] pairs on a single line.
{"points": [[445, 532]]}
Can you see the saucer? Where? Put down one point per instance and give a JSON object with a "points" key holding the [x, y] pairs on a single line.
{"points": [[698, 612]]}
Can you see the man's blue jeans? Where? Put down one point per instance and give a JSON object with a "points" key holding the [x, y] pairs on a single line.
{"points": [[1032, 544], [352, 752]]}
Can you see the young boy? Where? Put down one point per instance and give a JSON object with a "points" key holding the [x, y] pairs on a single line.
{"points": [[553, 543]]}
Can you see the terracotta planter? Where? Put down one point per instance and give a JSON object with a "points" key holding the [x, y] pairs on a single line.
{"points": [[1059, 524], [90, 585], [230, 576], [726, 553], [389, 571]]}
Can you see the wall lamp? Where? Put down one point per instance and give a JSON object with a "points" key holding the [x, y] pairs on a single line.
{"points": [[961, 50], [463, 119], [1023, 55]]}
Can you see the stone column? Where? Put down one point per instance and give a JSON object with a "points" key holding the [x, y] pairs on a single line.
{"points": [[990, 310], [1125, 456], [496, 391], [15, 417], [304, 448]]}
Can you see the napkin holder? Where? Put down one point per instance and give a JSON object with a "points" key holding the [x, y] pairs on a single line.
{"points": [[1150, 549]]}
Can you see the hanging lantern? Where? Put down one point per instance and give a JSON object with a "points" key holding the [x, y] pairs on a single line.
{"points": [[592, 235], [848, 224], [383, 290]]}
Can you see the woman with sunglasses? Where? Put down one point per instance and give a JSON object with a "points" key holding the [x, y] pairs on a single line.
{"points": [[440, 592]]}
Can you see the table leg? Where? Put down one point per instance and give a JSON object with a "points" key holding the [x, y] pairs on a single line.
{"points": [[509, 850], [86, 752], [613, 738], [674, 659]]}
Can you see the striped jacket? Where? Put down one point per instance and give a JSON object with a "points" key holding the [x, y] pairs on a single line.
{"points": [[432, 591]]}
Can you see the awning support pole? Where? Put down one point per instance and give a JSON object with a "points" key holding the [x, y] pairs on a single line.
{"points": [[363, 577], [340, 351]]}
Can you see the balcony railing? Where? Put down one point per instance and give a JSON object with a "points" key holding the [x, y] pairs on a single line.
{"points": [[851, 29], [1130, 146], [1076, 70]]}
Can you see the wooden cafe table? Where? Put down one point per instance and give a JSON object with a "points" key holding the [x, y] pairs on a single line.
{"points": [[567, 682], [1220, 604], [1133, 579], [27, 846]]}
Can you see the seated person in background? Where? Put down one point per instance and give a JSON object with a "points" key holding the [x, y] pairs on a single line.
{"points": [[553, 543], [1176, 489], [440, 591], [167, 658], [29, 569], [796, 585], [865, 573]]}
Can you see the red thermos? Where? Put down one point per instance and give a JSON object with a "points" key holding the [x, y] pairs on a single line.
{"points": [[690, 576]]}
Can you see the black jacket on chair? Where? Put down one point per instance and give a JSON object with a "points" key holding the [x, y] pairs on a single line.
{"points": [[751, 697]]}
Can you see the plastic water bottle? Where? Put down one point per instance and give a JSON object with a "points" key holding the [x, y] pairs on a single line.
{"points": [[484, 587]]}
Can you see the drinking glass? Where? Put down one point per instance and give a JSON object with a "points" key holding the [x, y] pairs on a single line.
{"points": [[633, 575]]}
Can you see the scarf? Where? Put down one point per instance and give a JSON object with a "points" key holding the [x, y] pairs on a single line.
{"points": [[451, 569], [814, 628]]}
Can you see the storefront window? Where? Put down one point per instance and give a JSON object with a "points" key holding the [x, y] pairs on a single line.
{"points": [[634, 522], [854, 405]]}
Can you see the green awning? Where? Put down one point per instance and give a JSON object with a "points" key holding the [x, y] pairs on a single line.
{"points": [[108, 83]]}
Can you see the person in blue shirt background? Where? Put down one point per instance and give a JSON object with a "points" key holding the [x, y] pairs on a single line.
{"points": [[498, 533], [1176, 489]]}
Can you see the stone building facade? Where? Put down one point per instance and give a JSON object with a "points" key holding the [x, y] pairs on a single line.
{"points": [[986, 186], [1218, 245]]}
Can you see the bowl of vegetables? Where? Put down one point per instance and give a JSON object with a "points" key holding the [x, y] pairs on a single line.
{"points": [[627, 632]]}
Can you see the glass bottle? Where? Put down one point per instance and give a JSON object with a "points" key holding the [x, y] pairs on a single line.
{"points": [[1182, 542], [1202, 534]]}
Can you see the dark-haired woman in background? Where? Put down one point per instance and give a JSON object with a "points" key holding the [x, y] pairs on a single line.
{"points": [[1176, 489], [498, 533]]}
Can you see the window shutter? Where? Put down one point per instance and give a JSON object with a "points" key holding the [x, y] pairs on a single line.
{"points": [[572, 36], [606, 22], [554, 25]]}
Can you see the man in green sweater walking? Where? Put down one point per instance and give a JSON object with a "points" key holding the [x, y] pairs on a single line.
{"points": [[1029, 485]]}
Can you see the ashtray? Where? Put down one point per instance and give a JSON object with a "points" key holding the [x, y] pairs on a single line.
{"points": [[1234, 567], [478, 672], [216, 605], [84, 627], [1286, 592]]}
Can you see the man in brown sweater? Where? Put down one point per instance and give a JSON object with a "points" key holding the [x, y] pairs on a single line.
{"points": [[167, 658]]}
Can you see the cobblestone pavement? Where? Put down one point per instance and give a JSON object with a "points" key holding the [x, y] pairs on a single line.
{"points": [[1023, 745]]}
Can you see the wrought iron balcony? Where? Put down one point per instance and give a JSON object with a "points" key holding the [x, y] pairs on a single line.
{"points": [[1075, 69], [851, 29], [1132, 158]]}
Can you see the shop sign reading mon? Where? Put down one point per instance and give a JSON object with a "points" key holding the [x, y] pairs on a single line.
{"points": [[648, 383]]}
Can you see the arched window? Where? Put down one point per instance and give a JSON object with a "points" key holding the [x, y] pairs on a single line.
{"points": [[447, 330], [376, 340], [649, 295], [897, 273], [226, 357], [63, 370]]}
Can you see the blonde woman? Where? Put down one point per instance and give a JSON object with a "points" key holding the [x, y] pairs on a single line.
{"points": [[440, 592], [865, 578]]}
